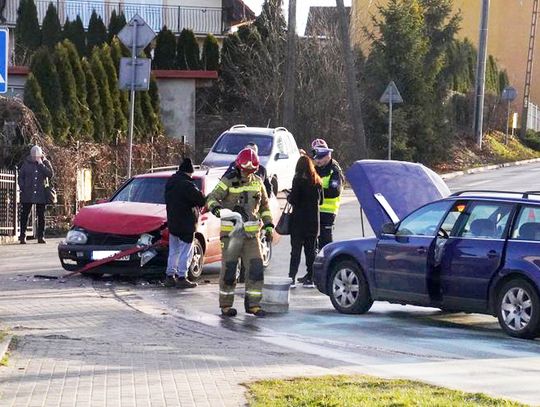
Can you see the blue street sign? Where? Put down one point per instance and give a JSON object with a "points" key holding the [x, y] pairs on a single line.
{"points": [[4, 48]]}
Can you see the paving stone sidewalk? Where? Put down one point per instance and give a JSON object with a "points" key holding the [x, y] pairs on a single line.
{"points": [[80, 344]]}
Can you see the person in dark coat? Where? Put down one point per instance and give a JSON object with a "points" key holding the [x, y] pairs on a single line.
{"points": [[35, 174], [305, 198], [183, 200], [261, 171]]}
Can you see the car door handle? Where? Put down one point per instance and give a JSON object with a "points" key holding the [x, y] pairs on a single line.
{"points": [[421, 250], [492, 254]]}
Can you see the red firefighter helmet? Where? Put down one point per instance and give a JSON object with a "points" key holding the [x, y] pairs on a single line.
{"points": [[247, 161]]}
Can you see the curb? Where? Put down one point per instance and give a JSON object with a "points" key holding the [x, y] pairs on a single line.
{"points": [[451, 175], [4, 345]]}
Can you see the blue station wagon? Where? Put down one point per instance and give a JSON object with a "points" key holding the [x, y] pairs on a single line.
{"points": [[472, 251]]}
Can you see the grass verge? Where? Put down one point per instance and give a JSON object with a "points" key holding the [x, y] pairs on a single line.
{"points": [[345, 391]]}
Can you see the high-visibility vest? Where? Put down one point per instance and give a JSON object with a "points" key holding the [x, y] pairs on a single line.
{"points": [[329, 205]]}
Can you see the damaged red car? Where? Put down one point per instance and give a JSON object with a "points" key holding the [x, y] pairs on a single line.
{"points": [[136, 216]]}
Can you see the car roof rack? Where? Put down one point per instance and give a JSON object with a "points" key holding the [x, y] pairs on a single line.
{"points": [[524, 195], [280, 129], [238, 126]]}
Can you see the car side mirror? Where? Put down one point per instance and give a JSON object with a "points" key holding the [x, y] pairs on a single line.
{"points": [[281, 156], [101, 201], [389, 228]]}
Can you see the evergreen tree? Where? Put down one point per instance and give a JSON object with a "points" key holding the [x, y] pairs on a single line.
{"points": [[87, 128], [93, 101], [271, 21], [105, 99], [116, 23], [164, 53], [154, 94], [187, 51], [120, 119], [140, 120], [97, 32], [74, 32], [27, 31], [44, 70], [51, 30], [68, 88], [117, 52], [210, 54], [33, 99]]}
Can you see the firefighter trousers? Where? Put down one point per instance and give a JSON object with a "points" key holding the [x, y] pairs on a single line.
{"points": [[249, 250]]}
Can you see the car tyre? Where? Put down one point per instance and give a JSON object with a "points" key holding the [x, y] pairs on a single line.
{"points": [[518, 309], [349, 291], [197, 262]]}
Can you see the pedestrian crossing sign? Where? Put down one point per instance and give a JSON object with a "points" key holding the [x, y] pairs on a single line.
{"points": [[4, 48]]}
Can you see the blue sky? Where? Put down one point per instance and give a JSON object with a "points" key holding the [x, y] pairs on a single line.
{"points": [[302, 8]]}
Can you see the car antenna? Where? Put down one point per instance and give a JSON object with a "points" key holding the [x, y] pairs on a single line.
{"points": [[268, 124]]}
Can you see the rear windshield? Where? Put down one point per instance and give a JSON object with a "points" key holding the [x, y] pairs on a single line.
{"points": [[146, 190], [233, 143]]}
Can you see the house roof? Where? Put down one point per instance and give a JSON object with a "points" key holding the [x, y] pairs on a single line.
{"points": [[323, 21]]}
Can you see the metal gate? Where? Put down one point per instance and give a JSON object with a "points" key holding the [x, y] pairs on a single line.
{"points": [[10, 206]]}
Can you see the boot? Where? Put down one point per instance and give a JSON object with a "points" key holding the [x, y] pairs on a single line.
{"points": [[183, 282], [257, 311], [228, 311], [41, 240], [22, 239], [170, 281]]}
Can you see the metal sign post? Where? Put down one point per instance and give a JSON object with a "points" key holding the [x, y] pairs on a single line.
{"points": [[508, 95], [390, 96], [136, 35], [4, 59]]}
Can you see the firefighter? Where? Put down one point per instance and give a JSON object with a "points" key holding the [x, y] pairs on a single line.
{"points": [[332, 183], [243, 192]]}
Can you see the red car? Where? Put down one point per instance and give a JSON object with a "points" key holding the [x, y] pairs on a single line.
{"points": [[136, 213]]}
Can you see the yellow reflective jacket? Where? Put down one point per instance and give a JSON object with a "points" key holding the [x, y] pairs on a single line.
{"points": [[246, 196]]}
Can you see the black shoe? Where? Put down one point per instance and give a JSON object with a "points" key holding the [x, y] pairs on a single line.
{"points": [[41, 240], [170, 281], [302, 279], [228, 311], [308, 284], [257, 311], [22, 240], [183, 282]]}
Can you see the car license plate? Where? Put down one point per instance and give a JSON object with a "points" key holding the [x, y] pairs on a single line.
{"points": [[103, 254]]}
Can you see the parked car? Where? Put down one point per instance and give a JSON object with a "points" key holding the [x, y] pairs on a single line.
{"points": [[475, 251], [278, 151], [135, 211]]}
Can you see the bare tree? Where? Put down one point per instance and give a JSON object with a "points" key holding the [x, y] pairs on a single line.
{"points": [[290, 65]]}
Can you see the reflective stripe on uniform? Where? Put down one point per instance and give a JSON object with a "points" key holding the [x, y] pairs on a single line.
{"points": [[211, 203], [222, 185], [246, 188], [266, 214], [221, 292], [226, 226], [251, 227], [254, 293], [330, 205]]}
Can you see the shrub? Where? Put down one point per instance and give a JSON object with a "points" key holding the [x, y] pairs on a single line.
{"points": [[97, 32], [116, 23], [27, 31], [120, 119], [532, 140], [187, 51], [33, 99], [164, 54], [93, 101], [51, 30], [106, 102], [74, 32], [210, 54]]}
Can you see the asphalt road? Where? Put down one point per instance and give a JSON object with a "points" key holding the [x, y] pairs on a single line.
{"points": [[464, 351]]}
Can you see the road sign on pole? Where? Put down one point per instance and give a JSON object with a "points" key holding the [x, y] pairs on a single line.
{"points": [[135, 35], [4, 59], [390, 96]]}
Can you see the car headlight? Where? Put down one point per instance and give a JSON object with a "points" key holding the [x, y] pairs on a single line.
{"points": [[76, 237]]}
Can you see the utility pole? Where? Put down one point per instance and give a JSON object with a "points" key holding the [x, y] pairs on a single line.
{"points": [[479, 87], [355, 109], [290, 83], [528, 72]]}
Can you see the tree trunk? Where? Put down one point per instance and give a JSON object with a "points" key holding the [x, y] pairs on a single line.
{"points": [[355, 109]]}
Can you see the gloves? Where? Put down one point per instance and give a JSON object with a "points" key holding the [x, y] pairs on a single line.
{"points": [[269, 232], [216, 211]]}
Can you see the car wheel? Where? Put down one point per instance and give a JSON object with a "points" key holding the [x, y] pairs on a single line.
{"points": [[266, 250], [349, 289], [518, 309], [196, 268]]}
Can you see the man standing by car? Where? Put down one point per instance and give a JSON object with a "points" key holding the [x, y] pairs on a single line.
{"points": [[35, 175], [261, 171], [183, 200], [243, 192], [332, 183]]}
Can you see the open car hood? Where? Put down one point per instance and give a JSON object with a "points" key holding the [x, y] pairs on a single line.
{"points": [[405, 187], [122, 218]]}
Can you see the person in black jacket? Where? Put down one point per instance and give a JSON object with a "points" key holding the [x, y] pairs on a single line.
{"points": [[261, 171], [183, 200], [305, 198]]}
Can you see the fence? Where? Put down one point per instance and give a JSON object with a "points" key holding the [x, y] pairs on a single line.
{"points": [[533, 117], [202, 20], [10, 206]]}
